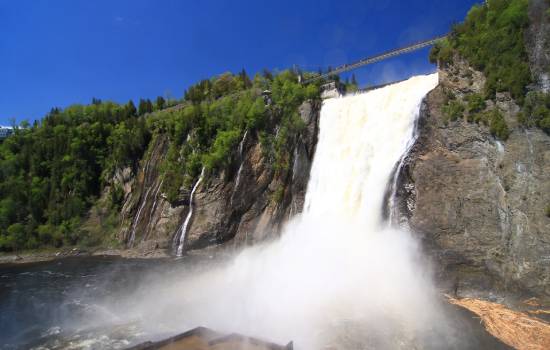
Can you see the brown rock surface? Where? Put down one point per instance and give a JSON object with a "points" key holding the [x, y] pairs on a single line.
{"points": [[477, 202]]}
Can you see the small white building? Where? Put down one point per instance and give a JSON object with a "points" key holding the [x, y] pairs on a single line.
{"points": [[5, 131]]}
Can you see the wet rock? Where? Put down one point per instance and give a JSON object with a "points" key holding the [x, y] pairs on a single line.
{"points": [[478, 202], [242, 205]]}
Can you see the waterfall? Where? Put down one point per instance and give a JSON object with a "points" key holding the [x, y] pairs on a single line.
{"points": [[152, 211], [238, 180], [183, 229], [136, 221], [237, 183], [337, 274], [361, 138], [393, 211]]}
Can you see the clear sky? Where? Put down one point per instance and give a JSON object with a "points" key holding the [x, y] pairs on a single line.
{"points": [[59, 52]]}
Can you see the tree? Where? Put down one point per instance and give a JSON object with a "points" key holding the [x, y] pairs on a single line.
{"points": [[267, 74], [160, 102], [130, 109], [149, 106], [145, 106], [245, 79]]}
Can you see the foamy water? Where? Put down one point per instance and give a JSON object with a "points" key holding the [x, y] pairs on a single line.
{"points": [[336, 271]]}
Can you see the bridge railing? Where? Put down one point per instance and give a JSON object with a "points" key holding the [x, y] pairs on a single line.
{"points": [[376, 58]]}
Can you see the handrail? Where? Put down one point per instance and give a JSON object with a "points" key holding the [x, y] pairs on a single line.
{"points": [[376, 58]]}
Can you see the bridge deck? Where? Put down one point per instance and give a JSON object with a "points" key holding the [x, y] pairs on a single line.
{"points": [[377, 58]]}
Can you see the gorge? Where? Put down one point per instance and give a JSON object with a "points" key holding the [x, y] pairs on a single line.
{"points": [[339, 276], [255, 205]]}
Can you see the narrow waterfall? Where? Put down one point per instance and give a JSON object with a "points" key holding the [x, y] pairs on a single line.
{"points": [[337, 275], [239, 172], [150, 223], [138, 215], [180, 236]]}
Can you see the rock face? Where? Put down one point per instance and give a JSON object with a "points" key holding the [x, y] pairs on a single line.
{"points": [[538, 43], [479, 204], [244, 204]]}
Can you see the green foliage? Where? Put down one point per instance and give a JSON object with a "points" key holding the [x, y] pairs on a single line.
{"points": [[536, 111], [116, 197], [219, 155], [498, 125], [491, 39], [160, 103], [442, 52], [51, 173], [476, 103], [206, 133], [278, 194], [453, 110], [145, 106]]}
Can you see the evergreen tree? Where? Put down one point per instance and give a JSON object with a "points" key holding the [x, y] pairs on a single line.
{"points": [[142, 107], [245, 79], [267, 74], [160, 103], [130, 109], [148, 106], [353, 80]]}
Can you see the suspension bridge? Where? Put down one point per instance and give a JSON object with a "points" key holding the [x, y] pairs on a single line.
{"points": [[377, 58], [345, 67]]}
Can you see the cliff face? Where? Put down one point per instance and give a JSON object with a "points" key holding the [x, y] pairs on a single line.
{"points": [[244, 204], [479, 204], [538, 43]]}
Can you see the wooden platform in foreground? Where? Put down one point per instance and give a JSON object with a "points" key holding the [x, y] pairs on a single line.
{"points": [[202, 338]]}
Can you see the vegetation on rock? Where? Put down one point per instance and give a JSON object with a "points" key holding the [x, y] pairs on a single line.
{"points": [[206, 132], [53, 172], [453, 110], [492, 40], [536, 111]]}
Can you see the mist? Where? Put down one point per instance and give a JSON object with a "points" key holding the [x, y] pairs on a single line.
{"points": [[338, 276]]}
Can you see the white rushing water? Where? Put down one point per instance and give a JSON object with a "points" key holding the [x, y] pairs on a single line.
{"points": [[183, 229], [336, 275]]}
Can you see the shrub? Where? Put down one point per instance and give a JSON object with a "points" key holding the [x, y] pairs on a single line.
{"points": [[498, 125], [278, 194], [220, 152], [453, 110], [536, 111], [476, 103], [442, 52]]}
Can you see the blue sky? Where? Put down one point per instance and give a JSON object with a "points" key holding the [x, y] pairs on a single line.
{"points": [[59, 52]]}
